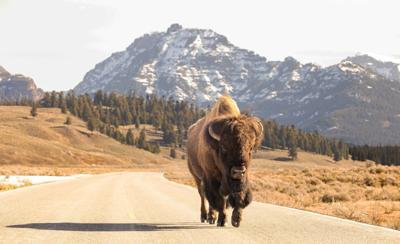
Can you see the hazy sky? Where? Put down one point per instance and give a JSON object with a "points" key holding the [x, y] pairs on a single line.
{"points": [[57, 41]]}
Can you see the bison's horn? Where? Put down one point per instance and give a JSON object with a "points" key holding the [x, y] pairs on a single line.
{"points": [[261, 126], [213, 134]]}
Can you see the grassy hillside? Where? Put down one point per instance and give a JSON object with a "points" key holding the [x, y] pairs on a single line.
{"points": [[36, 143]]}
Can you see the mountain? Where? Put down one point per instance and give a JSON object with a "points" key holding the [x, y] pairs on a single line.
{"points": [[355, 99], [3, 73], [15, 87], [389, 70]]}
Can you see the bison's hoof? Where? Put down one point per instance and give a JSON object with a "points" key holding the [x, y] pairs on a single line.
{"points": [[221, 221], [221, 224], [235, 223], [203, 218], [211, 218], [236, 218]]}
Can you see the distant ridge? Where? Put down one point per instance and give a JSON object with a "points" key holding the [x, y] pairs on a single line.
{"points": [[16, 87]]}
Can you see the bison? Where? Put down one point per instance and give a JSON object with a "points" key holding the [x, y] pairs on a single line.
{"points": [[219, 149]]}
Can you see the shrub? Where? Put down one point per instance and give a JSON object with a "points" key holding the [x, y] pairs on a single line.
{"points": [[368, 181], [396, 224], [330, 198], [172, 153], [34, 109], [68, 121]]}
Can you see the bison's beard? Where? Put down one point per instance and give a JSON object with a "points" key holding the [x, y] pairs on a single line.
{"points": [[239, 195], [237, 186]]}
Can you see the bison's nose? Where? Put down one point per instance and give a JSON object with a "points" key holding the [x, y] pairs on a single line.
{"points": [[237, 172]]}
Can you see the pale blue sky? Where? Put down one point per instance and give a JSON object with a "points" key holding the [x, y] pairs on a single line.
{"points": [[57, 41]]}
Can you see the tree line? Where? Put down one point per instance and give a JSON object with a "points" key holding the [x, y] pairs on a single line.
{"points": [[107, 112], [387, 155], [289, 137]]}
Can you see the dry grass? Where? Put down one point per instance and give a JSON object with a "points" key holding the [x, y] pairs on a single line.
{"points": [[353, 190], [46, 143], [6, 187], [358, 191]]}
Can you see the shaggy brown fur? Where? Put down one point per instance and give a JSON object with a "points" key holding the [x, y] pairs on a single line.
{"points": [[219, 151]]}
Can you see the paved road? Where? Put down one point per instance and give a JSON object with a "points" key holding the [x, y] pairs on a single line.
{"points": [[146, 208]]}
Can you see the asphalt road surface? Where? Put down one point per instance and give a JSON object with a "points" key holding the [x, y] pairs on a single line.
{"points": [[147, 208]]}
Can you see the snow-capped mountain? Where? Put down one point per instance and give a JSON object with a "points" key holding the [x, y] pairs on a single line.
{"points": [[355, 99], [389, 70], [193, 64], [15, 87]]}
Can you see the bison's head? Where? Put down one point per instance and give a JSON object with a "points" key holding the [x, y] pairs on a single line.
{"points": [[234, 140]]}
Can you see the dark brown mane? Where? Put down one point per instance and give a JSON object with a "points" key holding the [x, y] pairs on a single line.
{"points": [[244, 129]]}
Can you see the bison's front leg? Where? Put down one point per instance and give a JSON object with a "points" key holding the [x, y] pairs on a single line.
{"points": [[236, 217], [238, 201], [216, 201]]}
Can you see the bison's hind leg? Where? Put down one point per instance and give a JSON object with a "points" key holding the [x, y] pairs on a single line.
{"points": [[203, 210], [212, 215]]}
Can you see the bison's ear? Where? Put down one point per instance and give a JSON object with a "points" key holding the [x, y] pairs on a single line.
{"points": [[214, 131], [258, 128]]}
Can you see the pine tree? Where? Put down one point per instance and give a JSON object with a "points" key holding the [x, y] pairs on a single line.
{"points": [[34, 112], [61, 99], [46, 101], [337, 152], [92, 124], [169, 136], [156, 120], [337, 155], [98, 97], [63, 107], [53, 99], [293, 152], [73, 104], [86, 111], [68, 121], [142, 139], [130, 139], [119, 136], [137, 122], [172, 153], [156, 148]]}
